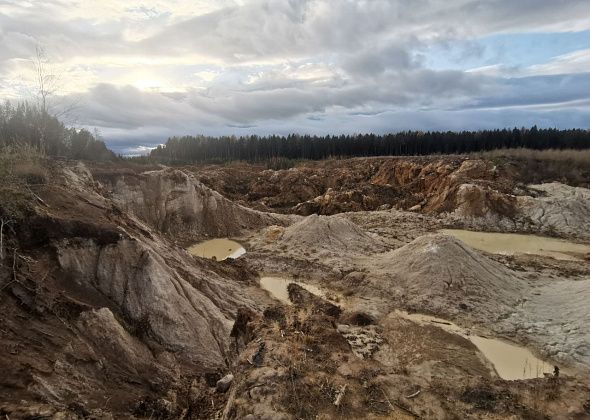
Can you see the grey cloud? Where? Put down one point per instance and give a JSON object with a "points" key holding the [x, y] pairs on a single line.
{"points": [[505, 15], [264, 29], [129, 108], [64, 38], [272, 28], [535, 91], [375, 61], [242, 125]]}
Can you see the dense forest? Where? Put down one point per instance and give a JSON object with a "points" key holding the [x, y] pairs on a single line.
{"points": [[191, 149], [25, 124]]}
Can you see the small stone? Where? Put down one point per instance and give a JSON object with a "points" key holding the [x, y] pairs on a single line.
{"points": [[224, 383], [417, 207]]}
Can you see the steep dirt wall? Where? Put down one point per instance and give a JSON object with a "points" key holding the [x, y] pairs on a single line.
{"points": [[176, 203]]}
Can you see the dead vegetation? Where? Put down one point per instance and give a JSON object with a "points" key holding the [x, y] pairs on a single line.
{"points": [[570, 167], [554, 155]]}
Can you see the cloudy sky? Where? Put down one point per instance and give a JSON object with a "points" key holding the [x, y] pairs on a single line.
{"points": [[141, 71]]}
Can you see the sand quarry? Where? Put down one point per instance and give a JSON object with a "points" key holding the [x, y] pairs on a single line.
{"points": [[398, 288]]}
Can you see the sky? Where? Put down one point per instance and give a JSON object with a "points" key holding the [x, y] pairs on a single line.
{"points": [[142, 71]]}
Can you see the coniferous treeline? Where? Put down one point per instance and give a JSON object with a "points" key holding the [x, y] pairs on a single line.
{"points": [[189, 149], [27, 124]]}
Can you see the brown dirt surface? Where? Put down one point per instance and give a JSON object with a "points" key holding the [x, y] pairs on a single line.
{"points": [[105, 315], [402, 182], [336, 186]]}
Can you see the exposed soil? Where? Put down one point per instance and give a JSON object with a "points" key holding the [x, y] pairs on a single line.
{"points": [[481, 193], [106, 315], [100, 311]]}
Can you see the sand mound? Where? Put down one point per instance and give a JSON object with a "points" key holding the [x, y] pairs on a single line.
{"points": [[329, 234], [439, 273]]}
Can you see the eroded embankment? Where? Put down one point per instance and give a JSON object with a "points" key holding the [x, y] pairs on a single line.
{"points": [[174, 202], [102, 313]]}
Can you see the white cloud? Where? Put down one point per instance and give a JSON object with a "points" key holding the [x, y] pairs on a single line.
{"points": [[491, 70], [207, 75], [576, 62]]}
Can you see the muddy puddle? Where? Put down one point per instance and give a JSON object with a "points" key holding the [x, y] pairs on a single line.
{"points": [[512, 243], [510, 361], [277, 287], [218, 249]]}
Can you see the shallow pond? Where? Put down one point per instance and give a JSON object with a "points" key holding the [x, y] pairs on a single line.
{"points": [[512, 243], [509, 360], [277, 287], [218, 249]]}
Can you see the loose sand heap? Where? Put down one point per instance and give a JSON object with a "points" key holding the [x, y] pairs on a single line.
{"points": [[329, 235], [440, 274]]}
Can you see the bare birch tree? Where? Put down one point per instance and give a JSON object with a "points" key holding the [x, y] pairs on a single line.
{"points": [[47, 87], [44, 78]]}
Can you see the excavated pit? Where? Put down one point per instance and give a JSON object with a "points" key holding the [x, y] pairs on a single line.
{"points": [[107, 314]]}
